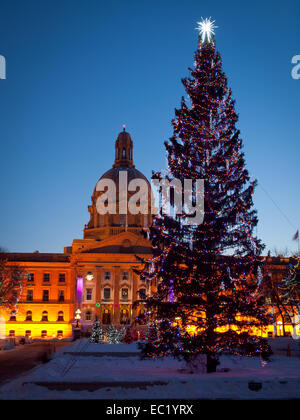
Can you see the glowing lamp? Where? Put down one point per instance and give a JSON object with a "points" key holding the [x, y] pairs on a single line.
{"points": [[89, 276]]}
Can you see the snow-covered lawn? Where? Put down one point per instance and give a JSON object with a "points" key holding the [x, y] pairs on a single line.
{"points": [[125, 377]]}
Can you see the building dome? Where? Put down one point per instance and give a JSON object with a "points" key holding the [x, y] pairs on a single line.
{"points": [[98, 224]]}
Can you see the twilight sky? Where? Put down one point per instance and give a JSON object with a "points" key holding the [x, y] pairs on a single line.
{"points": [[79, 69]]}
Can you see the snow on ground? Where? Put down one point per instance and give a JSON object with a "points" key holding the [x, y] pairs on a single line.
{"points": [[280, 378]]}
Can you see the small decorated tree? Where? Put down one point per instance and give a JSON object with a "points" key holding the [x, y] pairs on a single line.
{"points": [[97, 332], [113, 334], [128, 339]]}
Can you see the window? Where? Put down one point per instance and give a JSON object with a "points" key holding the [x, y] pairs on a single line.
{"points": [[270, 334], [60, 334], [29, 296], [123, 220], [106, 317], [89, 294], [30, 277], [88, 316], [62, 277], [106, 293], [44, 334], [125, 294], [141, 319], [45, 316], [27, 333], [13, 316], [107, 275], [124, 318], [125, 275], [11, 333], [60, 316], [142, 294], [46, 277], [28, 316], [61, 295], [268, 301], [45, 295]]}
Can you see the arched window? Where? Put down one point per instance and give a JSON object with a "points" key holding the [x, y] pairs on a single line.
{"points": [[124, 153], [124, 318], [45, 316], [28, 316], [106, 317], [60, 316], [60, 334], [88, 316], [44, 334], [13, 316]]}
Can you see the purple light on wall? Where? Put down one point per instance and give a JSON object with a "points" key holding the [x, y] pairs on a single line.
{"points": [[79, 289]]}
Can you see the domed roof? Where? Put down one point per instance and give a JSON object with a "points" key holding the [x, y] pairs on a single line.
{"points": [[113, 174], [132, 173], [123, 162]]}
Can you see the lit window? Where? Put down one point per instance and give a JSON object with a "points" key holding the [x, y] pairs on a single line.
{"points": [[45, 295], [106, 293], [44, 334], [29, 296], [125, 294], [59, 334], [28, 316], [88, 316], [61, 277], [107, 275], [88, 294], [45, 316], [60, 316], [27, 333], [46, 277], [11, 333], [13, 316]]}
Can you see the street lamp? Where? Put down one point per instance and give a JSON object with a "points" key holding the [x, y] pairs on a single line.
{"points": [[77, 317]]}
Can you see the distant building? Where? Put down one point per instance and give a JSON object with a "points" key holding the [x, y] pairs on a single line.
{"points": [[95, 274]]}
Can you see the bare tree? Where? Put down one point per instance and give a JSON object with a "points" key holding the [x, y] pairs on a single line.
{"points": [[11, 282]]}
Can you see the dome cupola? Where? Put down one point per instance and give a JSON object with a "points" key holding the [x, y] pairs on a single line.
{"points": [[123, 150]]}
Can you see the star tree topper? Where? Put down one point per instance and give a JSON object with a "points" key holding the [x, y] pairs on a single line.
{"points": [[206, 29]]}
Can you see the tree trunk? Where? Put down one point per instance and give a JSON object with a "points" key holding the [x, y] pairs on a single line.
{"points": [[212, 362]]}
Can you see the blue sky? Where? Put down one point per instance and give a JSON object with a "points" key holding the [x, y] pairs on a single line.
{"points": [[78, 70]]}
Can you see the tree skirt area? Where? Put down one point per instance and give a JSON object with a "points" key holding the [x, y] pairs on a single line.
{"points": [[77, 372]]}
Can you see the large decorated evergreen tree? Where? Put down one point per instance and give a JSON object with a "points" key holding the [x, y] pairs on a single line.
{"points": [[207, 276]]}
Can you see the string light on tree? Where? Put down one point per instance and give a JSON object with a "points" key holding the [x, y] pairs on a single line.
{"points": [[206, 29]]}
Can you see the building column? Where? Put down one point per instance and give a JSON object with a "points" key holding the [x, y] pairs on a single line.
{"points": [[116, 305], [135, 279]]}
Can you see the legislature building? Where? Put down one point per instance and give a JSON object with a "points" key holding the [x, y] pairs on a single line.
{"points": [[96, 274]]}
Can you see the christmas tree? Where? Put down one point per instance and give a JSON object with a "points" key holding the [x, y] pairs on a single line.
{"points": [[97, 333], [114, 335], [207, 275]]}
